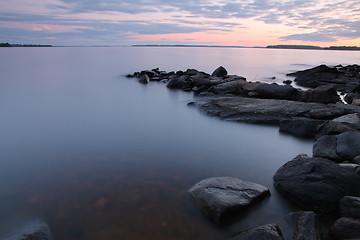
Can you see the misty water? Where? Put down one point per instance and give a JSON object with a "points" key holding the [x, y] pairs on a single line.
{"points": [[99, 156]]}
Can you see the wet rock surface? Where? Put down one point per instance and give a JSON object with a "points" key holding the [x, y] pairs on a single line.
{"points": [[223, 197], [308, 227], [316, 184], [268, 232], [346, 228]]}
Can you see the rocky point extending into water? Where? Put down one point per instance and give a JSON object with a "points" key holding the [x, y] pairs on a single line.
{"points": [[326, 184]]}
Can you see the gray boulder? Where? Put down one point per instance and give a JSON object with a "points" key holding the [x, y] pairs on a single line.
{"points": [[327, 113], [350, 207], [323, 94], [182, 82], [228, 87], [265, 232], [332, 128], [316, 184], [224, 197], [350, 120], [274, 91], [301, 127], [144, 79], [348, 145], [325, 147], [220, 72], [308, 227], [346, 228]]}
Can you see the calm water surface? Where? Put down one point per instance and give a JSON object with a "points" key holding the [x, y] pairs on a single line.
{"points": [[99, 156]]}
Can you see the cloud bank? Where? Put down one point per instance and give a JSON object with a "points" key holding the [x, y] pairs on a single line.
{"points": [[117, 22]]}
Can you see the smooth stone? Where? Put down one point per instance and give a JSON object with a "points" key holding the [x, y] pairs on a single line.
{"points": [[266, 232], [324, 94], [332, 128], [224, 197], [316, 184], [350, 207], [327, 113], [325, 147], [348, 145], [301, 127], [144, 79], [346, 228], [228, 87], [274, 91], [351, 120], [220, 72]]}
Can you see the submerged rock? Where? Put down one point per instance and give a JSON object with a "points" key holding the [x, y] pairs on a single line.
{"points": [[267, 232], [31, 230], [301, 127], [316, 184], [224, 197]]}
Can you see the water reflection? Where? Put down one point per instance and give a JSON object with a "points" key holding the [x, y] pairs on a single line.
{"points": [[102, 157]]}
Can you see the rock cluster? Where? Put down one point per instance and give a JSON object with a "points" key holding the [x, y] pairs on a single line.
{"points": [[345, 79], [219, 82], [325, 184]]}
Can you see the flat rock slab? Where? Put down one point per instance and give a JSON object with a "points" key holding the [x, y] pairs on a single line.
{"points": [[316, 184], [267, 232], [223, 197], [269, 111]]}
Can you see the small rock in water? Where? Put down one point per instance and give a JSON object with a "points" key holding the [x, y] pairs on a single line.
{"points": [[220, 72], [223, 197], [144, 79]]}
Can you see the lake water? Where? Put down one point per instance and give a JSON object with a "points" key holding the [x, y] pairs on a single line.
{"points": [[100, 156]]}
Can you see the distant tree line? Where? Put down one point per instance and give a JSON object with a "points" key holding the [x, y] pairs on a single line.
{"points": [[23, 45], [314, 47]]}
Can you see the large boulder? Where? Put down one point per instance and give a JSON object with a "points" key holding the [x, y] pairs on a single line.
{"points": [[274, 91], [348, 145], [327, 113], [224, 197], [144, 79], [316, 184], [315, 77], [220, 72], [266, 232], [346, 228], [350, 207], [301, 127]]}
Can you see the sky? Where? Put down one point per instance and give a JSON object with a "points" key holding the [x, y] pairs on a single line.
{"points": [[204, 22]]}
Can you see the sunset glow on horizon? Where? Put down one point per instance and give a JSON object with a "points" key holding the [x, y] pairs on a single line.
{"points": [[212, 22]]}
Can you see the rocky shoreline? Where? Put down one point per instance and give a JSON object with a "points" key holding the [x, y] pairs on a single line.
{"points": [[326, 184]]}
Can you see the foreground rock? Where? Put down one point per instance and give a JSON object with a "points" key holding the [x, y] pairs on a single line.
{"points": [[223, 197], [268, 232], [316, 184], [269, 111]]}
